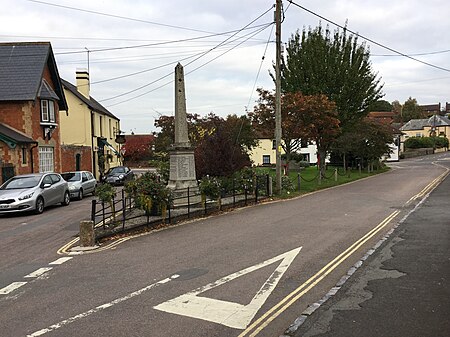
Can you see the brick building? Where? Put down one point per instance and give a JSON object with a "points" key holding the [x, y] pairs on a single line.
{"points": [[31, 96]]}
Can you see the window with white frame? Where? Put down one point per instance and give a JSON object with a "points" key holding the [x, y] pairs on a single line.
{"points": [[46, 159], [47, 111], [266, 159]]}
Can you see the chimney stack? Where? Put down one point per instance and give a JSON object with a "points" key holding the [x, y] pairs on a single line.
{"points": [[83, 82]]}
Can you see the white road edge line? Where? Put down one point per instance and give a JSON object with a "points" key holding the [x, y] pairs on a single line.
{"points": [[101, 307], [38, 272], [61, 260], [13, 286]]}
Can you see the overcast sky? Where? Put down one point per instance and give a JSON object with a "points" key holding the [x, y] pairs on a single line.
{"points": [[221, 45]]}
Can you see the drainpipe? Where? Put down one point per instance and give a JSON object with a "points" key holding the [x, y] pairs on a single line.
{"points": [[31, 156]]}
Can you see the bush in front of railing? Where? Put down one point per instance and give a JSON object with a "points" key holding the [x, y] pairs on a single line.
{"points": [[210, 187], [150, 194]]}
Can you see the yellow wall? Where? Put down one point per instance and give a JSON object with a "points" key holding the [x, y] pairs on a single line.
{"points": [[76, 129], [425, 132], [264, 148]]}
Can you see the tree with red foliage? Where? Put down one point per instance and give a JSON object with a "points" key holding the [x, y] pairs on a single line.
{"points": [[223, 151], [138, 148], [221, 145]]}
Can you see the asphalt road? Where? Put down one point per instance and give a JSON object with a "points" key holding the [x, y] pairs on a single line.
{"points": [[29, 240], [403, 289], [245, 273]]}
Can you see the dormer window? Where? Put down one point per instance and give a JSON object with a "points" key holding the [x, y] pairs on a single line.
{"points": [[47, 111]]}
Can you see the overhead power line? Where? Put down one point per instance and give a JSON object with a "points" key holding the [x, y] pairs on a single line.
{"points": [[159, 43], [368, 39], [118, 16], [418, 54], [171, 73]]}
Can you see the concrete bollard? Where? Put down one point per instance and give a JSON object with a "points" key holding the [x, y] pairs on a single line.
{"points": [[87, 236]]}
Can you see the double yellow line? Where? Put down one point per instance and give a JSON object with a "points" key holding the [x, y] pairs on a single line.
{"points": [[65, 250], [290, 299], [427, 189]]}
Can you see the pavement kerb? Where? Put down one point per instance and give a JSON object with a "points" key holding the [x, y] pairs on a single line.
{"points": [[67, 248], [299, 321]]}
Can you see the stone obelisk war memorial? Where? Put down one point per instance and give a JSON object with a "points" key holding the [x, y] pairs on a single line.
{"points": [[182, 176]]}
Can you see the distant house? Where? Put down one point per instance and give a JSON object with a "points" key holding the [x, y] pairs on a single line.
{"points": [[429, 110], [434, 126], [90, 134], [265, 154], [31, 97], [384, 117]]}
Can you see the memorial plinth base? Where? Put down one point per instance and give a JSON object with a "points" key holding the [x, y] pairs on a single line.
{"points": [[182, 177]]}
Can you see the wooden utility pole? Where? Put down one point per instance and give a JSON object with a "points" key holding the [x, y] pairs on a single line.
{"points": [[278, 95]]}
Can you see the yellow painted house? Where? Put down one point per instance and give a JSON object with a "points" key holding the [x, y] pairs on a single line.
{"points": [[90, 134], [264, 152], [434, 126]]}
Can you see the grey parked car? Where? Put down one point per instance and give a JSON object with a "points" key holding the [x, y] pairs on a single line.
{"points": [[80, 183], [33, 192]]}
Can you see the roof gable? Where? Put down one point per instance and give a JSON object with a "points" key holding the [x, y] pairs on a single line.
{"points": [[22, 66], [46, 91], [419, 124]]}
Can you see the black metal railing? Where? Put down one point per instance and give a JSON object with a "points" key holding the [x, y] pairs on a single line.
{"points": [[122, 213]]}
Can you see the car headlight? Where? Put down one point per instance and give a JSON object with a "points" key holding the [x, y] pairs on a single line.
{"points": [[121, 176], [26, 196], [72, 188]]}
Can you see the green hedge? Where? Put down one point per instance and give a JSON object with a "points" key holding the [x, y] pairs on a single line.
{"points": [[426, 142]]}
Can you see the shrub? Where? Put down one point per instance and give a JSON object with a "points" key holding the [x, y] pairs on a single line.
{"points": [[150, 193], [440, 142], [286, 184], [210, 187], [419, 142]]}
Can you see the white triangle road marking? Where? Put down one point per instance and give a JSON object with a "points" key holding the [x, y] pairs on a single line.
{"points": [[230, 314]]}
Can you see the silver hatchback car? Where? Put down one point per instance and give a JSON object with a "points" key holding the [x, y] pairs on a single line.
{"points": [[80, 183], [33, 192]]}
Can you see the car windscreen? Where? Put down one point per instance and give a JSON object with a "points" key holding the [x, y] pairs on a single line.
{"points": [[71, 176], [116, 170], [21, 182]]}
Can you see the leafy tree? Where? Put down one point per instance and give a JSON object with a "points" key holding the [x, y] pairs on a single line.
{"points": [[263, 120], [165, 137], [380, 105], [221, 145], [397, 109], [322, 125], [368, 141], [303, 118], [138, 148], [221, 153], [411, 110], [336, 65]]}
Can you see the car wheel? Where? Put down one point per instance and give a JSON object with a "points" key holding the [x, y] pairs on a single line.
{"points": [[80, 194], [66, 199], [39, 205]]}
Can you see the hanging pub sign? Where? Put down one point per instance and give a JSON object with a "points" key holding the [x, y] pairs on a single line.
{"points": [[120, 139]]}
